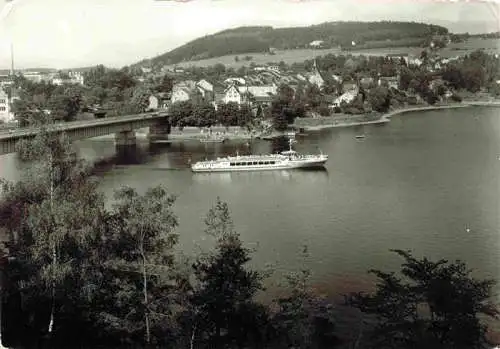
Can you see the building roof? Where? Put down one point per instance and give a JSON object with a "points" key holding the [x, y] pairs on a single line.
{"points": [[204, 84], [259, 91], [389, 78]]}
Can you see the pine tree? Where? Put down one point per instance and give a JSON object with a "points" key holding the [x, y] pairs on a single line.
{"points": [[224, 313]]}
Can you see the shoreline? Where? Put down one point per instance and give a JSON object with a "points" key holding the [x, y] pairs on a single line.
{"points": [[245, 136], [385, 118]]}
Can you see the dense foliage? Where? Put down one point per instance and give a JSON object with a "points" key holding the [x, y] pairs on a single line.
{"points": [[434, 305]]}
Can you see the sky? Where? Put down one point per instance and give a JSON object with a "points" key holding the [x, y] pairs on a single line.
{"points": [[77, 33]]}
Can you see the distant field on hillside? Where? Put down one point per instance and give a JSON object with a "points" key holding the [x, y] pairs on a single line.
{"points": [[300, 55]]}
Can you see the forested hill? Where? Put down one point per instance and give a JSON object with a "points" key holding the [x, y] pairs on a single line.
{"points": [[261, 39]]}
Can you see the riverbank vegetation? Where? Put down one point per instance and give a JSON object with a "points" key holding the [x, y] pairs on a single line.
{"points": [[81, 274]]}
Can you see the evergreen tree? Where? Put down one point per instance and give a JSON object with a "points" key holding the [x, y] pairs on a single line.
{"points": [[224, 313]]}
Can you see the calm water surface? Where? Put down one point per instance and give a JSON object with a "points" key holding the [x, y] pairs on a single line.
{"points": [[416, 183]]}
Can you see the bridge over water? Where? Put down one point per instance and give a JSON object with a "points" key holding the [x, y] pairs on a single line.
{"points": [[123, 127]]}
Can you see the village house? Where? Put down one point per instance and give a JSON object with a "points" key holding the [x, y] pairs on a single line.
{"points": [[6, 80], [346, 97], [180, 94], [153, 103], [183, 91], [413, 61], [250, 94], [34, 76], [232, 94], [205, 85], [316, 79], [260, 94], [6, 114], [316, 44], [73, 78], [159, 101], [273, 68]]}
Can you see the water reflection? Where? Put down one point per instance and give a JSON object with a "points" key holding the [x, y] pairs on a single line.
{"points": [[298, 176], [279, 144]]}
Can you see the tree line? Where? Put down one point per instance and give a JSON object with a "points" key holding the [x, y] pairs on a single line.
{"points": [[253, 39], [81, 274]]}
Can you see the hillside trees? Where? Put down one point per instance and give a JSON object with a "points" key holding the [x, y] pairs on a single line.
{"points": [[260, 39]]}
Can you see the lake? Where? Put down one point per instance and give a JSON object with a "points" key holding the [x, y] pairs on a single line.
{"points": [[426, 181]]}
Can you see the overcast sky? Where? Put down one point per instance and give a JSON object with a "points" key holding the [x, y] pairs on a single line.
{"points": [[75, 33]]}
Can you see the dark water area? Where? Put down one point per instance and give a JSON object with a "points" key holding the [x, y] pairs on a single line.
{"points": [[427, 181]]}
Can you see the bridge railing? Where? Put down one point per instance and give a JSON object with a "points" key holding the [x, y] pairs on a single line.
{"points": [[63, 126]]}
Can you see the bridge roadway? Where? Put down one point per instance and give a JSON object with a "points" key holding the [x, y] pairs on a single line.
{"points": [[123, 126]]}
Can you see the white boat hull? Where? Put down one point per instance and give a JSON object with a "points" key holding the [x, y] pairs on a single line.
{"points": [[284, 165]]}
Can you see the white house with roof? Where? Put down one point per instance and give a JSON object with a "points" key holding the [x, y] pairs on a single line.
{"points": [[413, 61], [316, 43], [316, 79], [33, 76], [347, 97], [261, 94], [232, 94], [73, 78], [206, 89], [180, 94], [205, 85], [6, 114], [183, 90]]}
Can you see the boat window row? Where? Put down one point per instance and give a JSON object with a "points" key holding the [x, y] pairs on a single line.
{"points": [[252, 163]]}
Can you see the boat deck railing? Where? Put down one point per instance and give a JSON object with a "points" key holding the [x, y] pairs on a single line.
{"points": [[259, 157]]}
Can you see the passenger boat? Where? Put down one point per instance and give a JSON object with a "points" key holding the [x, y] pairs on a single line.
{"points": [[288, 159]]}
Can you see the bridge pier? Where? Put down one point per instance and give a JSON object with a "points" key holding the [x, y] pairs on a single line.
{"points": [[125, 146], [125, 138], [159, 131]]}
